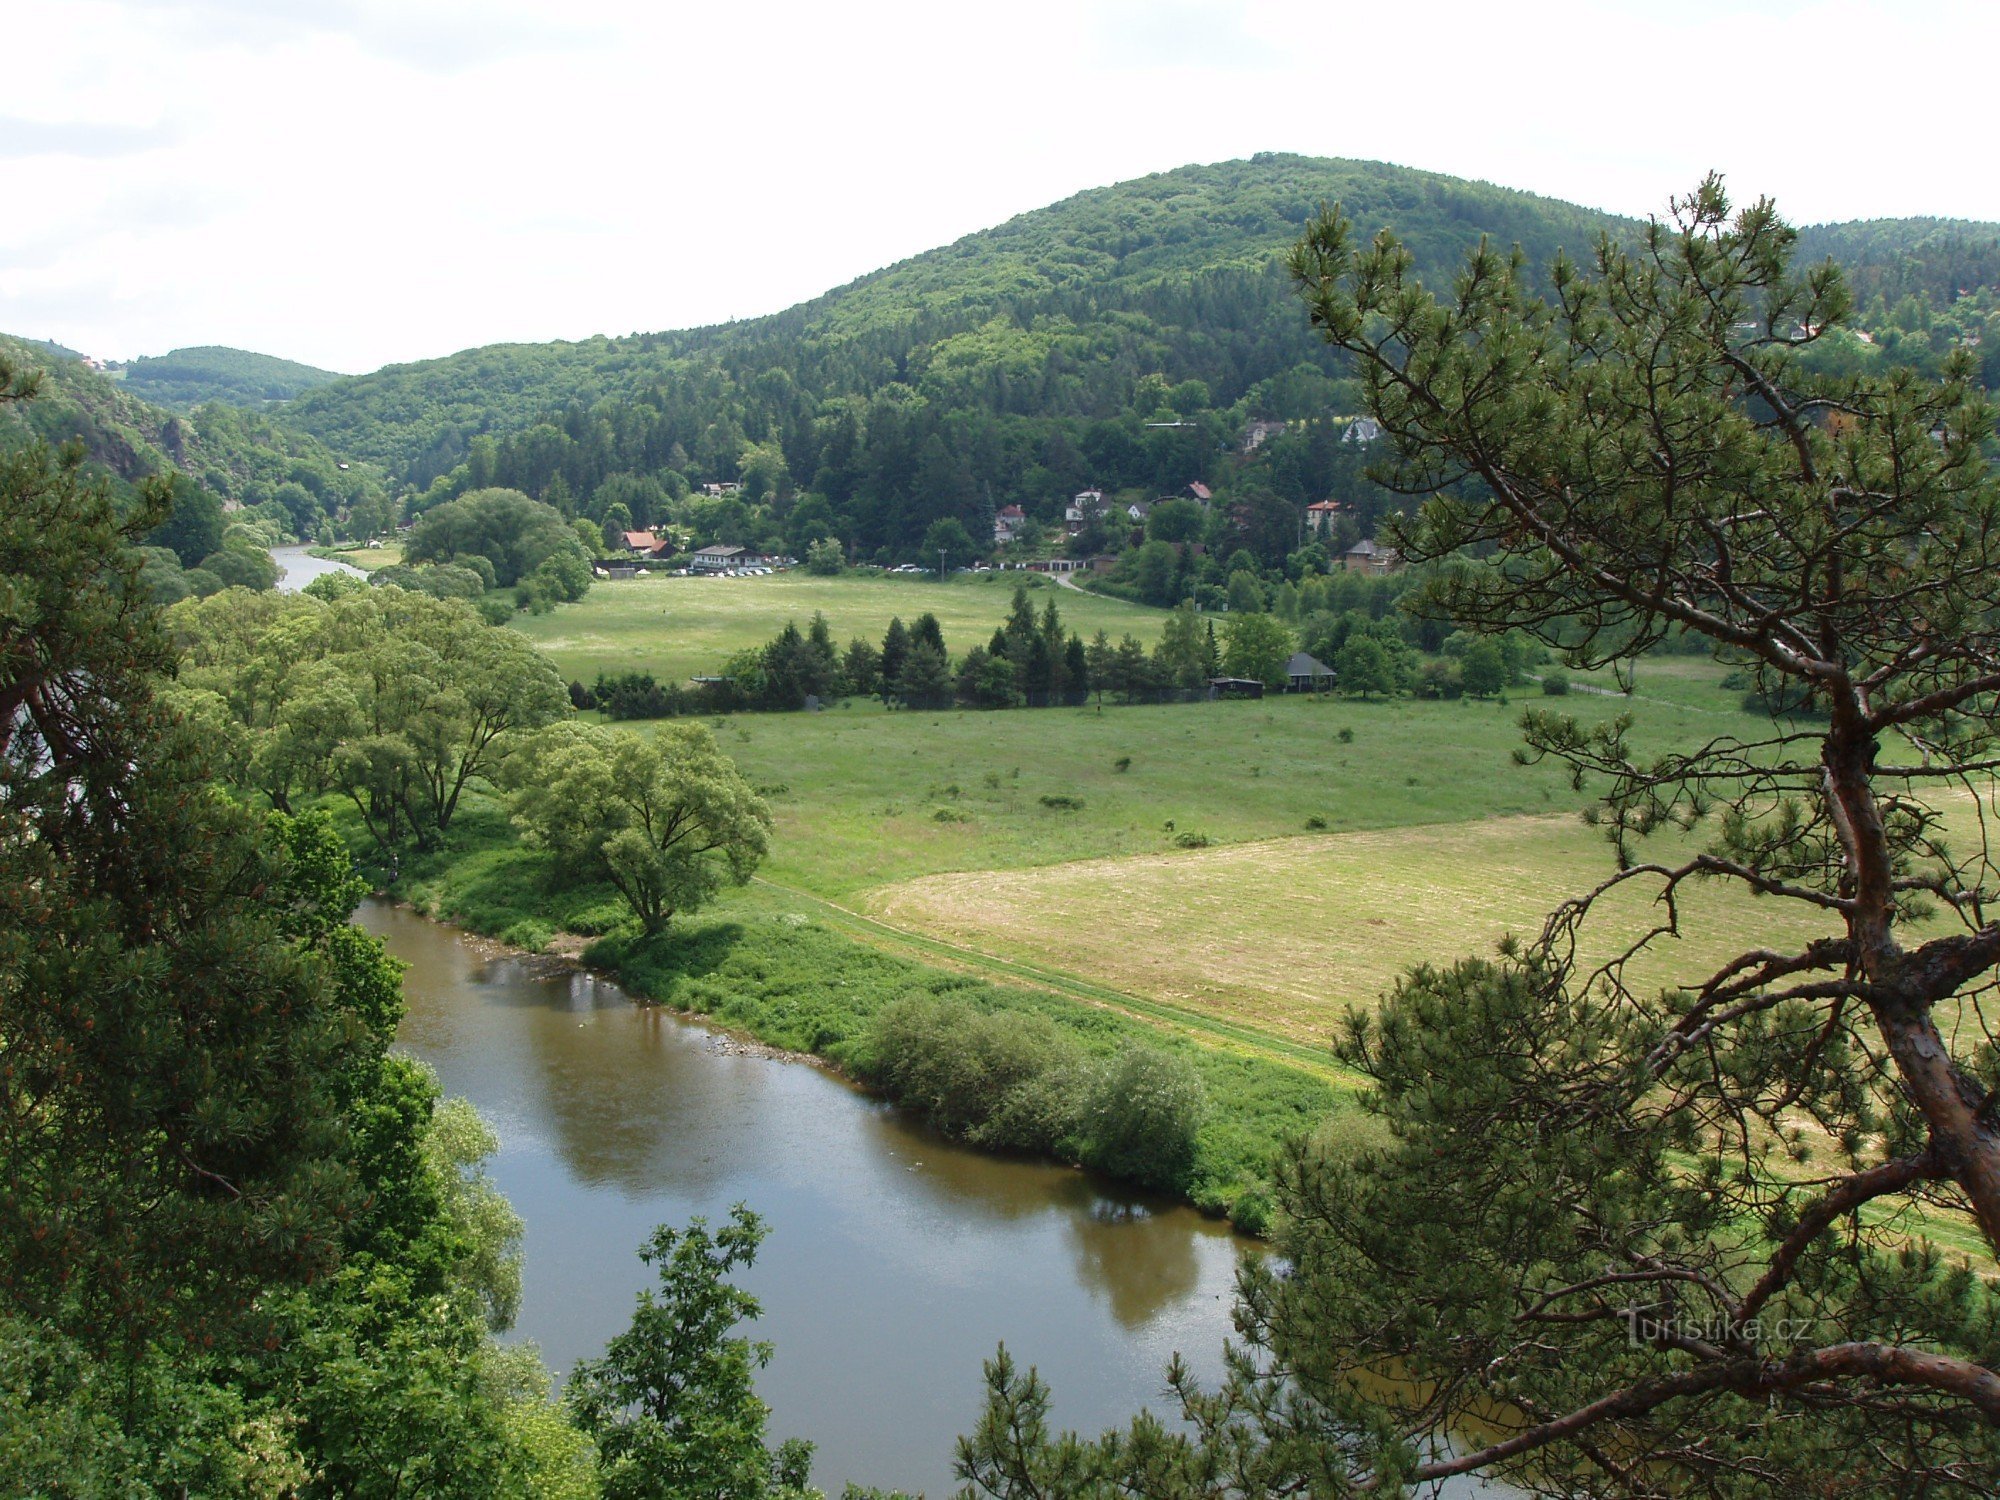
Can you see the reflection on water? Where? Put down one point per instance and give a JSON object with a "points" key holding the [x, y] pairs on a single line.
{"points": [[896, 1261]]}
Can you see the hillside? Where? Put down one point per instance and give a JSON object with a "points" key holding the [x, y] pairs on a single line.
{"points": [[236, 456], [1018, 365], [186, 378], [1058, 311]]}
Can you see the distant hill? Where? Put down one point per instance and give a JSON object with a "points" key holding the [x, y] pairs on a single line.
{"points": [[236, 455], [50, 346], [1052, 319], [1937, 261], [185, 378], [1120, 339]]}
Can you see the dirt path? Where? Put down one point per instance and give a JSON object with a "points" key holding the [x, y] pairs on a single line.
{"points": [[1210, 1030]]}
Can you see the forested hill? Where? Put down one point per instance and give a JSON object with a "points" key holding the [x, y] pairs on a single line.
{"points": [[1056, 313], [186, 378], [1120, 340], [235, 456]]}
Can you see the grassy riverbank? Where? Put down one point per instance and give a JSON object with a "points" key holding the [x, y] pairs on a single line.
{"points": [[775, 967], [367, 559]]}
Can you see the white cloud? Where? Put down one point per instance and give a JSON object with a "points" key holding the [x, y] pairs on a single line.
{"points": [[352, 182]]}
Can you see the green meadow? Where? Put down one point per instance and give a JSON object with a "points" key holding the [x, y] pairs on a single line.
{"points": [[678, 627], [864, 796]]}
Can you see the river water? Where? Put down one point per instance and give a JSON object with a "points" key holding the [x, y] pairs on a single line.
{"points": [[298, 567], [895, 1263]]}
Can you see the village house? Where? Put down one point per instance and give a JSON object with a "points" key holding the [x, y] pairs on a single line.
{"points": [[1082, 510], [1197, 492], [1306, 673], [1007, 524], [1321, 516], [717, 491], [1369, 557], [1258, 433], [1362, 430], [647, 544], [716, 559]]}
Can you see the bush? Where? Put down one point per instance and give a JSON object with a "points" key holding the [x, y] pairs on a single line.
{"points": [[1062, 802], [531, 933], [1143, 1117], [1191, 840], [964, 1068], [1346, 736], [1315, 824], [637, 695], [1440, 678], [240, 568], [1555, 684]]}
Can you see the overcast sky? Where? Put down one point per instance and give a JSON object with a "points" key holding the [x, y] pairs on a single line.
{"points": [[357, 182]]}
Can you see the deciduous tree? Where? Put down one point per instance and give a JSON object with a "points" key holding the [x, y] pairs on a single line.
{"points": [[666, 818]]}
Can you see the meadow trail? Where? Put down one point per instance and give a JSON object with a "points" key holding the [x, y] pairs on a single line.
{"points": [[1210, 1030]]}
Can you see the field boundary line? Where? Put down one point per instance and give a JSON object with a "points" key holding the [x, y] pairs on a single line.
{"points": [[1210, 1030]]}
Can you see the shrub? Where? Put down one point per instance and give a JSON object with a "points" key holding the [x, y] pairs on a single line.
{"points": [[636, 695], [531, 933], [1143, 1117], [1315, 824], [1062, 802], [1555, 684], [963, 1067], [1191, 840], [1346, 736], [1122, 764]]}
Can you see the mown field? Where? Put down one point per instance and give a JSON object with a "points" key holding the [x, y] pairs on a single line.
{"points": [[677, 627], [1284, 935]]}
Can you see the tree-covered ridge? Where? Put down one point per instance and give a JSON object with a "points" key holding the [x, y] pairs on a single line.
{"points": [[1121, 341], [1936, 260], [233, 455], [230, 452], [185, 378], [1172, 273]]}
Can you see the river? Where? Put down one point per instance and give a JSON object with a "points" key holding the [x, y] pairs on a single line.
{"points": [[896, 1262], [298, 567]]}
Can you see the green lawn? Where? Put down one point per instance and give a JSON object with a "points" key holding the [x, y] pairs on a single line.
{"points": [[368, 559], [864, 797], [677, 627]]}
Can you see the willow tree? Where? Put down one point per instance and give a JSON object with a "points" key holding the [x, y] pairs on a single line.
{"points": [[1638, 1224], [666, 819]]}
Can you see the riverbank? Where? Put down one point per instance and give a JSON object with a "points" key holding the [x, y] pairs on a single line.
{"points": [[781, 977], [890, 1250], [364, 559], [569, 953]]}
